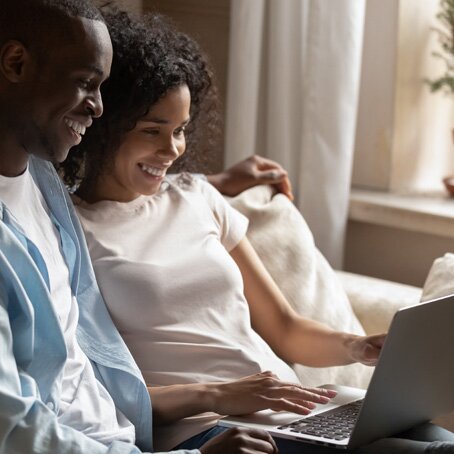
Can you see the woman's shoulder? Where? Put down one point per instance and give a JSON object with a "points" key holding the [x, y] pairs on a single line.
{"points": [[196, 188], [186, 182]]}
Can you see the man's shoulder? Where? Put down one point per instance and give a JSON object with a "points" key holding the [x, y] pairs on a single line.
{"points": [[48, 182]]}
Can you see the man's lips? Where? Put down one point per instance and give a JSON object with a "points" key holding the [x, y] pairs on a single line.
{"points": [[77, 126]]}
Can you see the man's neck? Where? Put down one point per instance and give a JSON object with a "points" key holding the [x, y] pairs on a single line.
{"points": [[13, 154], [13, 158]]}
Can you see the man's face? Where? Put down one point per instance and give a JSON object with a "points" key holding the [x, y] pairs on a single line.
{"points": [[62, 91]]}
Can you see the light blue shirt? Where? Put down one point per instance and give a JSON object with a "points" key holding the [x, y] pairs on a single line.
{"points": [[32, 347]]}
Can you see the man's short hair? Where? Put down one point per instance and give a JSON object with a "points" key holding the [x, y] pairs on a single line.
{"points": [[29, 20]]}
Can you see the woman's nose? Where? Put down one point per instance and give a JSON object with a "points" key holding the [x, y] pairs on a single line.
{"points": [[170, 148]]}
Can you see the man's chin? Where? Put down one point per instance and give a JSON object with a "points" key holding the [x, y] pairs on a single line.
{"points": [[53, 155], [58, 159]]}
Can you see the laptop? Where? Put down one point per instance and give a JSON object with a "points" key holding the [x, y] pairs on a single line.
{"points": [[412, 383]]}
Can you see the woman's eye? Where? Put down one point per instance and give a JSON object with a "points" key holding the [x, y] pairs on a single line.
{"points": [[152, 132], [179, 131]]}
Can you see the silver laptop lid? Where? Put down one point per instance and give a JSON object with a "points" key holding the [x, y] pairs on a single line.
{"points": [[413, 381]]}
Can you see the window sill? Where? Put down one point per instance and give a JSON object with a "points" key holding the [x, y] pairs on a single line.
{"points": [[431, 214]]}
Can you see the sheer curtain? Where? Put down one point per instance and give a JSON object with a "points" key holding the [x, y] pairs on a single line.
{"points": [[293, 85]]}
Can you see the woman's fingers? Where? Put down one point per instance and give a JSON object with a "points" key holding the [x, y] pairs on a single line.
{"points": [[297, 404], [295, 391], [265, 390]]}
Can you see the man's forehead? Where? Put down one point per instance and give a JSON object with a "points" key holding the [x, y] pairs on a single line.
{"points": [[86, 46]]}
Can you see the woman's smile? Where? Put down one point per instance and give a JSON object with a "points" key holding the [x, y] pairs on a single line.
{"points": [[147, 151]]}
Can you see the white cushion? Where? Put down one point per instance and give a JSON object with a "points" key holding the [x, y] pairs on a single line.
{"points": [[375, 301], [440, 280], [286, 246]]}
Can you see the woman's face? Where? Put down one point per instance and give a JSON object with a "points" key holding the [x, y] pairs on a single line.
{"points": [[147, 151]]}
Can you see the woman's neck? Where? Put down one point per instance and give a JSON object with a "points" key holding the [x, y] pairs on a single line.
{"points": [[99, 189]]}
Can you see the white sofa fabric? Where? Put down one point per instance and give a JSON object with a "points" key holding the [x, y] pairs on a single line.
{"points": [[375, 301]]}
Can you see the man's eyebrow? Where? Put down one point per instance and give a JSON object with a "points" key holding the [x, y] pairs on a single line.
{"points": [[94, 69]]}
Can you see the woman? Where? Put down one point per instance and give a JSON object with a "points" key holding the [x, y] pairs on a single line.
{"points": [[180, 279]]}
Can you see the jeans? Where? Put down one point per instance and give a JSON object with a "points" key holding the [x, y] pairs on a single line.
{"points": [[426, 438]]}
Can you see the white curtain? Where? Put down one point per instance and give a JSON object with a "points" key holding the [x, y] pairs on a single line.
{"points": [[293, 85]]}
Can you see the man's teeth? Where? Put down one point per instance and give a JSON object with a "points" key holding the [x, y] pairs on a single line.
{"points": [[153, 170], [76, 126]]}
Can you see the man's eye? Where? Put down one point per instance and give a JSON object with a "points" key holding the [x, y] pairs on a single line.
{"points": [[84, 83]]}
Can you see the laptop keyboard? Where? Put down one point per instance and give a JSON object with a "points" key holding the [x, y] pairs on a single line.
{"points": [[335, 424]]}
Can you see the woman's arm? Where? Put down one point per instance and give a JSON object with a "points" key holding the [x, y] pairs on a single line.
{"points": [[249, 394], [175, 402], [294, 338]]}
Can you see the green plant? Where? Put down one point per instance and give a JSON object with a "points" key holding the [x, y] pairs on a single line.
{"points": [[445, 33]]}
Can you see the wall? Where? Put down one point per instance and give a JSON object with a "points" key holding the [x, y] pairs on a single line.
{"points": [[394, 254], [403, 140]]}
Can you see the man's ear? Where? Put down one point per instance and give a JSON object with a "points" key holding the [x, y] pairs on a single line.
{"points": [[13, 59]]}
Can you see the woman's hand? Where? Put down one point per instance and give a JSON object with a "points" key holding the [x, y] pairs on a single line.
{"points": [[265, 391], [366, 349], [239, 440], [246, 395]]}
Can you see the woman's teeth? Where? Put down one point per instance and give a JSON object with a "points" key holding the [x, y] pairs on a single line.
{"points": [[153, 170]]}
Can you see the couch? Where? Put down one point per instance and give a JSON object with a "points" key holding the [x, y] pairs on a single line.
{"points": [[343, 300]]}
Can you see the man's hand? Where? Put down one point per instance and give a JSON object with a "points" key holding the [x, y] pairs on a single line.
{"points": [[241, 440], [251, 172]]}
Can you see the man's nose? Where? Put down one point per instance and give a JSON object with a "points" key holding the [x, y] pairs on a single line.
{"points": [[93, 104]]}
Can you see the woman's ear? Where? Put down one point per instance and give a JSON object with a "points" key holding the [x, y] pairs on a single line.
{"points": [[13, 58]]}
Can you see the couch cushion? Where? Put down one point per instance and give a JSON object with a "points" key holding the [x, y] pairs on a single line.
{"points": [[286, 246], [375, 301], [440, 280]]}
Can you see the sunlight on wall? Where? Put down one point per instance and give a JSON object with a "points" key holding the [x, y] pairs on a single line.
{"points": [[403, 141]]}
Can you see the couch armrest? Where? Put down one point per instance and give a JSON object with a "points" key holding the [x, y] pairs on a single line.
{"points": [[375, 301]]}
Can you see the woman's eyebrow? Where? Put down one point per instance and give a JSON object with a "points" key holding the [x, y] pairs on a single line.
{"points": [[162, 121]]}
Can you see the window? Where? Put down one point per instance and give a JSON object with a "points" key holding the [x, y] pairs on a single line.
{"points": [[403, 142]]}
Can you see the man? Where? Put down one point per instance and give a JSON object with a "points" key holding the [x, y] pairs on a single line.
{"points": [[250, 172], [67, 381]]}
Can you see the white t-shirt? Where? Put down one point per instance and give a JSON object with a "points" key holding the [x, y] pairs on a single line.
{"points": [[85, 404], [174, 291]]}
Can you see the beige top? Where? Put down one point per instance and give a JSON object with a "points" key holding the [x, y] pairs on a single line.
{"points": [[175, 293]]}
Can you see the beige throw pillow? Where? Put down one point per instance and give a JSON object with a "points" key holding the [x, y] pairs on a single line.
{"points": [[440, 280]]}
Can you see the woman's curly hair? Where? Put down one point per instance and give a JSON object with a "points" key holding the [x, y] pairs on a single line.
{"points": [[150, 57]]}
